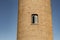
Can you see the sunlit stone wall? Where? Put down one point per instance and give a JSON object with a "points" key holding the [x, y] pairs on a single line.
{"points": [[40, 31]]}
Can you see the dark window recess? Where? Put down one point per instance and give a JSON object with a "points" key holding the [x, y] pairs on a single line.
{"points": [[34, 18]]}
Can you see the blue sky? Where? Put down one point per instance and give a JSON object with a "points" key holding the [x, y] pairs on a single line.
{"points": [[8, 19], [56, 19]]}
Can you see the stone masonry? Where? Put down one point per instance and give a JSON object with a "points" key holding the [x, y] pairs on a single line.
{"points": [[28, 31]]}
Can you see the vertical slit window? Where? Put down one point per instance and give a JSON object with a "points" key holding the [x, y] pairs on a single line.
{"points": [[34, 18]]}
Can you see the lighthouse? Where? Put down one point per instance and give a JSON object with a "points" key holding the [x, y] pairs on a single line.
{"points": [[34, 20]]}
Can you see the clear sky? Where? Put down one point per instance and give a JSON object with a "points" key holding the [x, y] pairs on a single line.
{"points": [[8, 19]]}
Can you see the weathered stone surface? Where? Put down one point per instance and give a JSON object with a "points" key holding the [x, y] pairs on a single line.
{"points": [[28, 31]]}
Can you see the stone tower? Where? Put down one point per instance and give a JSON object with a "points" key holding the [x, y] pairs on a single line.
{"points": [[34, 20]]}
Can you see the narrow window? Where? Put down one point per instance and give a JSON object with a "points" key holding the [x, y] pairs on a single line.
{"points": [[34, 18]]}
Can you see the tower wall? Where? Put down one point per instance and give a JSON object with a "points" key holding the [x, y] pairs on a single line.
{"points": [[40, 31]]}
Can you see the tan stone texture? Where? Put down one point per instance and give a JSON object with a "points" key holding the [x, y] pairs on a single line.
{"points": [[28, 31]]}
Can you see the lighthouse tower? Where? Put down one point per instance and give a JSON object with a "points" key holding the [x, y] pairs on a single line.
{"points": [[34, 20]]}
